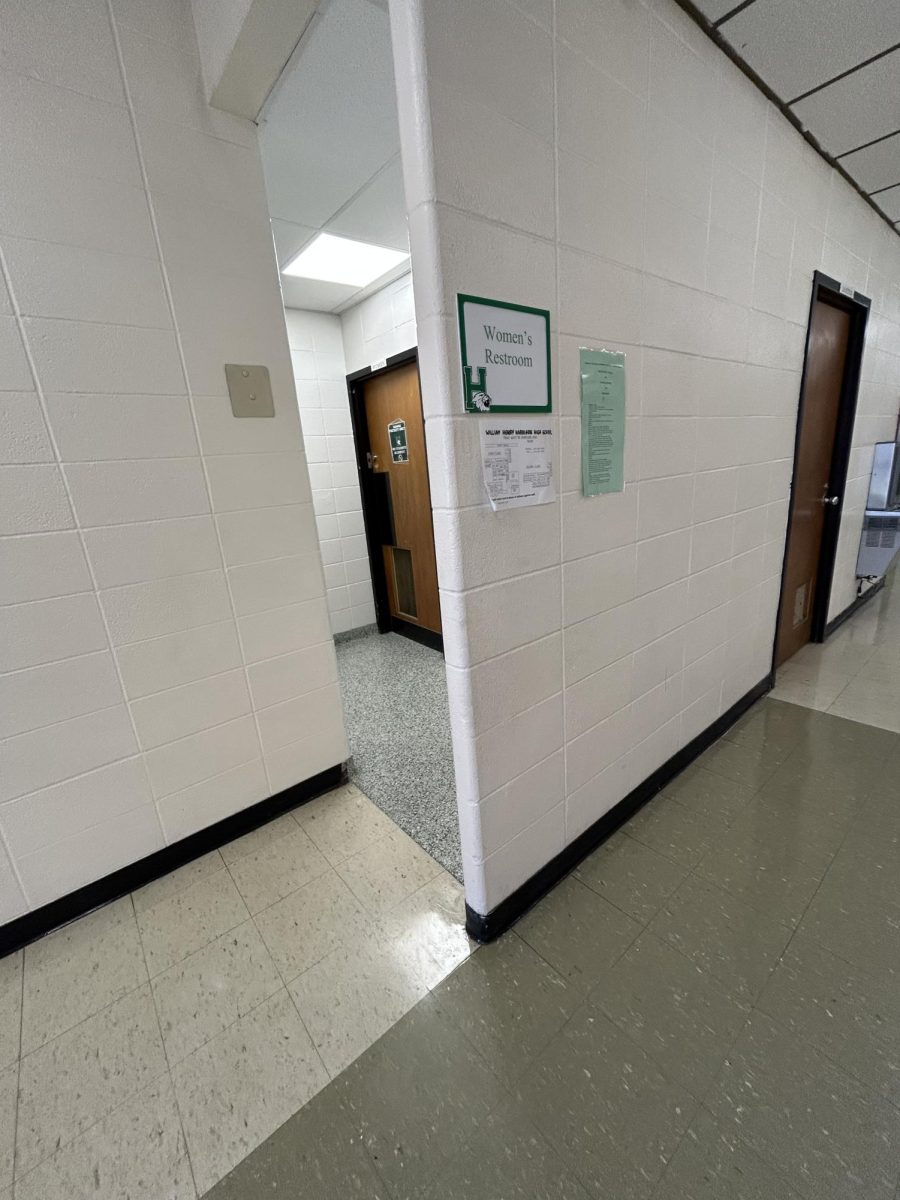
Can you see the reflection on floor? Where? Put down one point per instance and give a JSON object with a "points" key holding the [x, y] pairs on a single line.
{"points": [[856, 673], [148, 1047], [707, 1010], [395, 701]]}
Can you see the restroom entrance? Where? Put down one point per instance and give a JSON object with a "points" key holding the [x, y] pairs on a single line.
{"points": [[389, 430], [824, 432], [393, 683]]}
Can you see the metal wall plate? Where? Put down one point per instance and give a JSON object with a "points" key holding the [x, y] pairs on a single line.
{"points": [[250, 390]]}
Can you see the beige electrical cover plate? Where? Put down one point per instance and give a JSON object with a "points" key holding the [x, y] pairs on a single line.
{"points": [[250, 390]]}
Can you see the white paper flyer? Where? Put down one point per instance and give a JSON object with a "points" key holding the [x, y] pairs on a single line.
{"points": [[517, 462]]}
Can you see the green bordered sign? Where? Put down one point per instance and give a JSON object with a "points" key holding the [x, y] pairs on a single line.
{"points": [[505, 353]]}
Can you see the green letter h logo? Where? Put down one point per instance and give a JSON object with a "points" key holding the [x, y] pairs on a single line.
{"points": [[477, 399]]}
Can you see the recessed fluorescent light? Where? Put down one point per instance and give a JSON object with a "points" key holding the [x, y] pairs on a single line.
{"points": [[341, 260]]}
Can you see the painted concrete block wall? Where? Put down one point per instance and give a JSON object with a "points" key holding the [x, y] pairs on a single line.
{"points": [[381, 325], [166, 654], [325, 349], [607, 162], [320, 376]]}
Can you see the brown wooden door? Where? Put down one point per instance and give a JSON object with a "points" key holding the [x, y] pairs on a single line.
{"points": [[393, 408], [826, 356]]}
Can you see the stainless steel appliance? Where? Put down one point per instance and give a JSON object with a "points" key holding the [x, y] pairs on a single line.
{"points": [[880, 540], [884, 486]]}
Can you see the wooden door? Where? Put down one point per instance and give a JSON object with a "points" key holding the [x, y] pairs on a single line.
{"points": [[393, 409], [810, 498]]}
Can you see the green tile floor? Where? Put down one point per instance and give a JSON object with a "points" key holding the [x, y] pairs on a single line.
{"points": [[707, 1009]]}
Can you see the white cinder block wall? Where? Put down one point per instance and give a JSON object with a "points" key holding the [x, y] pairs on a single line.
{"points": [[320, 376], [164, 633], [604, 160], [381, 325], [325, 349]]}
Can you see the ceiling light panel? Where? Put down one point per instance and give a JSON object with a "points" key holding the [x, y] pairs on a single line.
{"points": [[342, 260]]}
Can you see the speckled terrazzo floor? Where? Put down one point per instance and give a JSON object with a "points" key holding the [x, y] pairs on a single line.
{"points": [[395, 700]]}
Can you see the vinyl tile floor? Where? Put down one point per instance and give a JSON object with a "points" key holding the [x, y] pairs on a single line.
{"points": [[148, 1047], [856, 673], [708, 1008], [398, 723]]}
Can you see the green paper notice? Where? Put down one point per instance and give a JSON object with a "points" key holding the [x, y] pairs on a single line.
{"points": [[602, 421]]}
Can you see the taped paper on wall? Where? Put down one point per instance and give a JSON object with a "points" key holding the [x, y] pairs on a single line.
{"points": [[517, 462], [602, 421]]}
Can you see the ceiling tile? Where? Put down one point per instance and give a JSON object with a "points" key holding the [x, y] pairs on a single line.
{"points": [[795, 45], [332, 123], [330, 144], [877, 166], [378, 213], [714, 10], [289, 239], [314, 293], [858, 109], [889, 202]]}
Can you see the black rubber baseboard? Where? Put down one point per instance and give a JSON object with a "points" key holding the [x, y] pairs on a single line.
{"points": [[485, 927], [853, 608], [415, 633], [32, 925]]}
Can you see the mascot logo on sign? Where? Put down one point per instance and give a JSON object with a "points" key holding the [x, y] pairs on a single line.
{"points": [[477, 398]]}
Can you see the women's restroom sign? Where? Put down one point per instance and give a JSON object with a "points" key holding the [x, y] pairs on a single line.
{"points": [[505, 356]]}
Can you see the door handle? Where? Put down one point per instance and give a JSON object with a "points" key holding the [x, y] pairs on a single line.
{"points": [[830, 500]]}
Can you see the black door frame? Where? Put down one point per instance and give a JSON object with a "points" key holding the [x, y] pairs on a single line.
{"points": [[373, 505], [857, 306]]}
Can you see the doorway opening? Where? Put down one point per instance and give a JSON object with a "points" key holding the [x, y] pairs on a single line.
{"points": [[393, 677], [330, 143], [828, 396], [389, 432]]}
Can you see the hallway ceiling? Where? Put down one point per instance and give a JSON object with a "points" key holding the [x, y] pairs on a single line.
{"points": [[330, 146], [330, 140], [836, 65]]}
